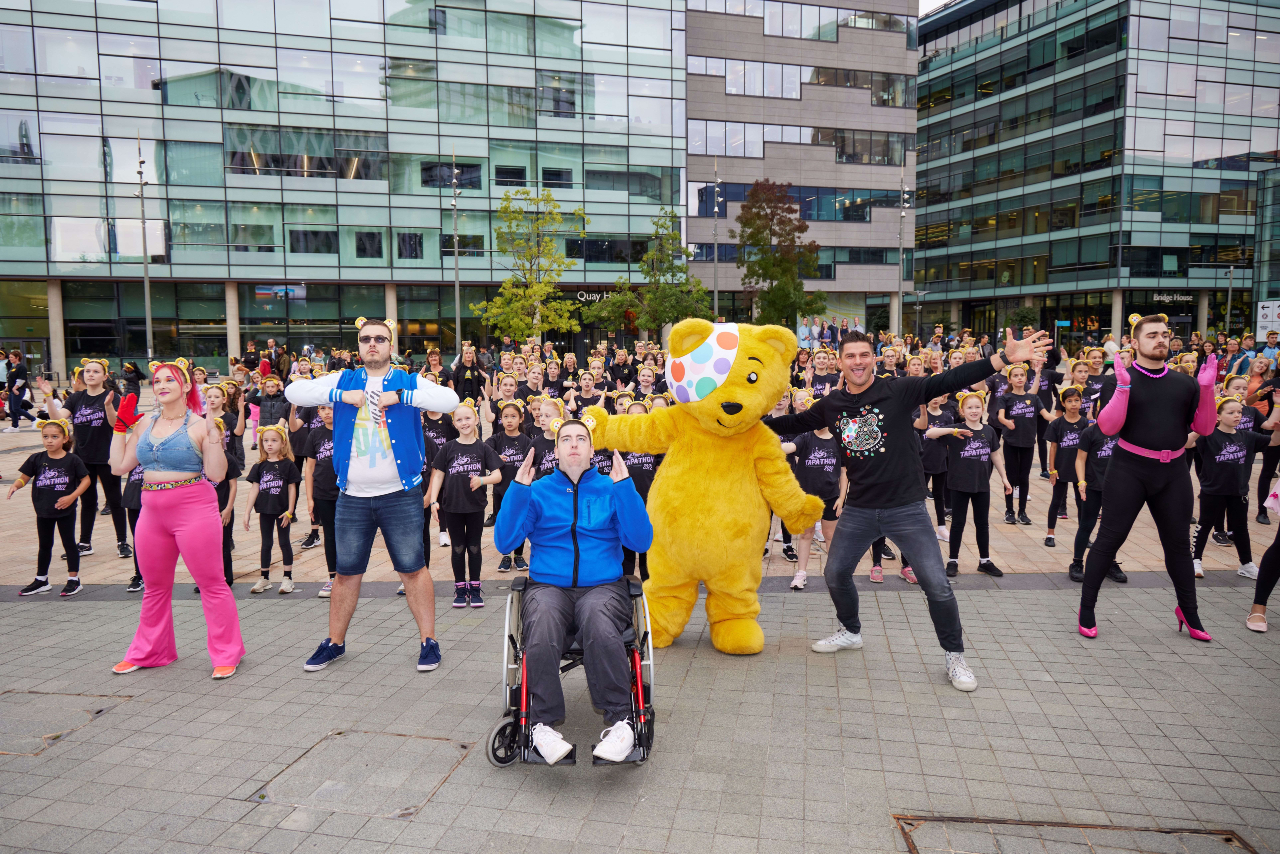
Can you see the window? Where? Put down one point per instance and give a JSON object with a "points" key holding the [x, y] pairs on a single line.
{"points": [[409, 245], [509, 176], [469, 245], [440, 175], [311, 241], [66, 53], [557, 179], [368, 244]]}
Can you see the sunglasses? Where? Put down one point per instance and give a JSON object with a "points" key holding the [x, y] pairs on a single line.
{"points": [[374, 339]]}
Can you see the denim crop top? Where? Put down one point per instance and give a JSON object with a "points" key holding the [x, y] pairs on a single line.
{"points": [[174, 452]]}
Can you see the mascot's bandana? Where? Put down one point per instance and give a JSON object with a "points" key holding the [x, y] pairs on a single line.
{"points": [[696, 375]]}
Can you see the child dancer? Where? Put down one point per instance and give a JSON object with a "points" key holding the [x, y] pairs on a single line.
{"points": [[60, 478], [783, 407], [131, 500], [821, 381], [973, 449], [1091, 470], [1226, 462], [1017, 410], [273, 492], [1063, 437], [819, 472], [934, 456], [512, 445], [226, 490], [642, 468], [322, 489], [458, 498]]}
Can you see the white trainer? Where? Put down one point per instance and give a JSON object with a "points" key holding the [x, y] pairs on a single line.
{"points": [[262, 586], [550, 744], [1249, 570], [817, 534], [286, 586], [1198, 568], [615, 743], [444, 538], [799, 579], [944, 534], [843, 639], [962, 678]]}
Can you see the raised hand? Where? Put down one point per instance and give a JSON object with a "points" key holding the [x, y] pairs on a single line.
{"points": [[111, 399], [45, 387], [1122, 374], [1023, 350], [524, 475], [127, 415], [619, 470], [1208, 375]]}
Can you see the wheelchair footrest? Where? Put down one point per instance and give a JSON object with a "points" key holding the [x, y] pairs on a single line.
{"points": [[634, 756], [535, 758]]}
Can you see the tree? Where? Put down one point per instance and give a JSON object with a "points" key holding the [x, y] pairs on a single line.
{"points": [[878, 320], [1020, 317], [529, 302], [772, 257], [671, 294]]}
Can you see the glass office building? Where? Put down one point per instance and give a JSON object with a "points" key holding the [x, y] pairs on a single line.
{"points": [[1091, 160], [299, 155]]}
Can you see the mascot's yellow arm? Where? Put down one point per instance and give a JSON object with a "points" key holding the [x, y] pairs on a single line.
{"points": [[640, 434], [794, 506]]}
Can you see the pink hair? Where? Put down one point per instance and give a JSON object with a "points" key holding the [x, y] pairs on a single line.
{"points": [[193, 396]]}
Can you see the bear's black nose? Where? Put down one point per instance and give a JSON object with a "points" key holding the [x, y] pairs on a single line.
{"points": [[731, 408]]}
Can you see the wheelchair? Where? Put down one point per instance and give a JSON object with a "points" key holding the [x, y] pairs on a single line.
{"points": [[512, 739]]}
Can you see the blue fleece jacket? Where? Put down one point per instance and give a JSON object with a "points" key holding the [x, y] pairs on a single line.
{"points": [[577, 530]]}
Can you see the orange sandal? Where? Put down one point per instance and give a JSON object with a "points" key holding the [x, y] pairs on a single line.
{"points": [[224, 672], [124, 667]]}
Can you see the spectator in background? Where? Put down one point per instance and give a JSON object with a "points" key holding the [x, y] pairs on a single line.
{"points": [[985, 350], [805, 336], [1273, 346], [1249, 346], [485, 358], [508, 346], [17, 384]]}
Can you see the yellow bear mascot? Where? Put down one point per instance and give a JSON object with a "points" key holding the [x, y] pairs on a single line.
{"points": [[722, 473]]}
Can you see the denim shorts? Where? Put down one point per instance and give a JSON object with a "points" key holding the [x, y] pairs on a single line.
{"points": [[398, 514]]}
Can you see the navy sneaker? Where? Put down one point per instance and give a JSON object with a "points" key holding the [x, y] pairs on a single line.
{"points": [[324, 655], [460, 590], [477, 599], [429, 656]]}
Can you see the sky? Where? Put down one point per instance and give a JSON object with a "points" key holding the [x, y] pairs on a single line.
{"points": [[927, 6]]}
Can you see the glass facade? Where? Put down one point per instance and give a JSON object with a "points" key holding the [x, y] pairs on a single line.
{"points": [[1097, 148]]}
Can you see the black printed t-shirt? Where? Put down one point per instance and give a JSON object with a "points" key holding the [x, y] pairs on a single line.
{"points": [[131, 497], [512, 450], [1251, 419], [298, 438], [1226, 461], [273, 479], [1049, 381], [1093, 391], [603, 460], [435, 433], [223, 489], [822, 384], [324, 480], [89, 423], [997, 385], [875, 428], [626, 374], [818, 465], [1022, 410], [583, 401], [969, 459], [1067, 437], [544, 456], [642, 468], [460, 463], [468, 381], [933, 454], [1097, 448], [51, 480], [232, 444]]}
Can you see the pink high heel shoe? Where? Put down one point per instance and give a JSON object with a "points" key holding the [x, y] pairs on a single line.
{"points": [[1196, 634], [1089, 633]]}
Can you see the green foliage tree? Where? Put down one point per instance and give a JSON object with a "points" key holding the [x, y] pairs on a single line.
{"points": [[1020, 317], [671, 294], [529, 302], [774, 260]]}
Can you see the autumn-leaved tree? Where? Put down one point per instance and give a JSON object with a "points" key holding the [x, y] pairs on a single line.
{"points": [[773, 259], [529, 303], [671, 294]]}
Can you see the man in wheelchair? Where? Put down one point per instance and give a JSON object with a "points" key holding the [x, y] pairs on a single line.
{"points": [[578, 521]]}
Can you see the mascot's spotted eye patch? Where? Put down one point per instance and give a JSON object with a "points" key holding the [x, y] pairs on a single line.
{"points": [[697, 374]]}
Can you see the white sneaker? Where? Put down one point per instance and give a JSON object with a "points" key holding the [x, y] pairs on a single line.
{"points": [[962, 678], [11, 430], [550, 744], [262, 586], [1198, 568], [1249, 570], [843, 639], [944, 534], [777, 538], [286, 586], [444, 538], [799, 579], [615, 743], [326, 591], [817, 535]]}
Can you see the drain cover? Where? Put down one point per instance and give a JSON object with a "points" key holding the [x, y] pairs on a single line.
{"points": [[31, 722], [367, 773], [955, 835]]}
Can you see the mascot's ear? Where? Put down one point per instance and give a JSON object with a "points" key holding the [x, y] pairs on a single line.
{"points": [[688, 334], [779, 338]]}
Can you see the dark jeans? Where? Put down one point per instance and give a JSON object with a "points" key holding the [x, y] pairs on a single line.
{"points": [[1236, 510], [981, 502], [1017, 465], [270, 527], [600, 614], [16, 412], [465, 531], [398, 515], [66, 527], [89, 503], [1089, 512], [326, 512], [1059, 500], [910, 527]]}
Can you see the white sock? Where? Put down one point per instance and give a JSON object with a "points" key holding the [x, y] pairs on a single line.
{"points": [[984, 560], [42, 578]]}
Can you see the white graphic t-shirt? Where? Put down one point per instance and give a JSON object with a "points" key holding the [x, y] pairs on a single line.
{"points": [[372, 469]]}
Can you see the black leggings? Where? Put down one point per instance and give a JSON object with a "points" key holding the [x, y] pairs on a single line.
{"points": [[1236, 510], [89, 502], [1164, 489], [66, 526], [1270, 459], [133, 531], [465, 530], [938, 486], [1089, 512], [268, 524], [1268, 573], [981, 502], [1059, 501], [326, 510], [1017, 465], [629, 561], [497, 505], [1041, 426], [877, 553]]}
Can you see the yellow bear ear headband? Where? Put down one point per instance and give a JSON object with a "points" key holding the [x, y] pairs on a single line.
{"points": [[361, 321], [180, 363], [106, 367], [57, 422], [469, 403], [556, 424], [1230, 398], [517, 403], [1134, 318], [965, 395], [1079, 389], [1009, 368], [273, 428]]}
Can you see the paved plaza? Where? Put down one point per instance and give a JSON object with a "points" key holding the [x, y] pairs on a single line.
{"points": [[786, 751]]}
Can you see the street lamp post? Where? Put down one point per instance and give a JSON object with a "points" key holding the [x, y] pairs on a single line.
{"points": [[146, 270], [457, 285], [902, 225], [715, 245], [1231, 276]]}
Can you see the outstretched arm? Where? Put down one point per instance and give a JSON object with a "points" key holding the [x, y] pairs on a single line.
{"points": [[641, 434], [1206, 417], [1112, 416], [797, 509]]}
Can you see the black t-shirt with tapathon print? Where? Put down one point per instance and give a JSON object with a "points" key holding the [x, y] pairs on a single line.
{"points": [[273, 480], [460, 462], [89, 422], [51, 480], [969, 462]]}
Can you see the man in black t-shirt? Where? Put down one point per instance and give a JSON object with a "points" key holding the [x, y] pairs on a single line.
{"points": [[872, 418]]}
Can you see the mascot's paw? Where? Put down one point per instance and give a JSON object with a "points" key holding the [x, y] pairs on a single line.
{"points": [[810, 512], [736, 637], [661, 638], [598, 419]]}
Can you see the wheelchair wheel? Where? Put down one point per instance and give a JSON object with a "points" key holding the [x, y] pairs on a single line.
{"points": [[502, 748]]}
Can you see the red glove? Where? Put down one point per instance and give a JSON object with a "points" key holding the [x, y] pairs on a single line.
{"points": [[127, 414]]}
